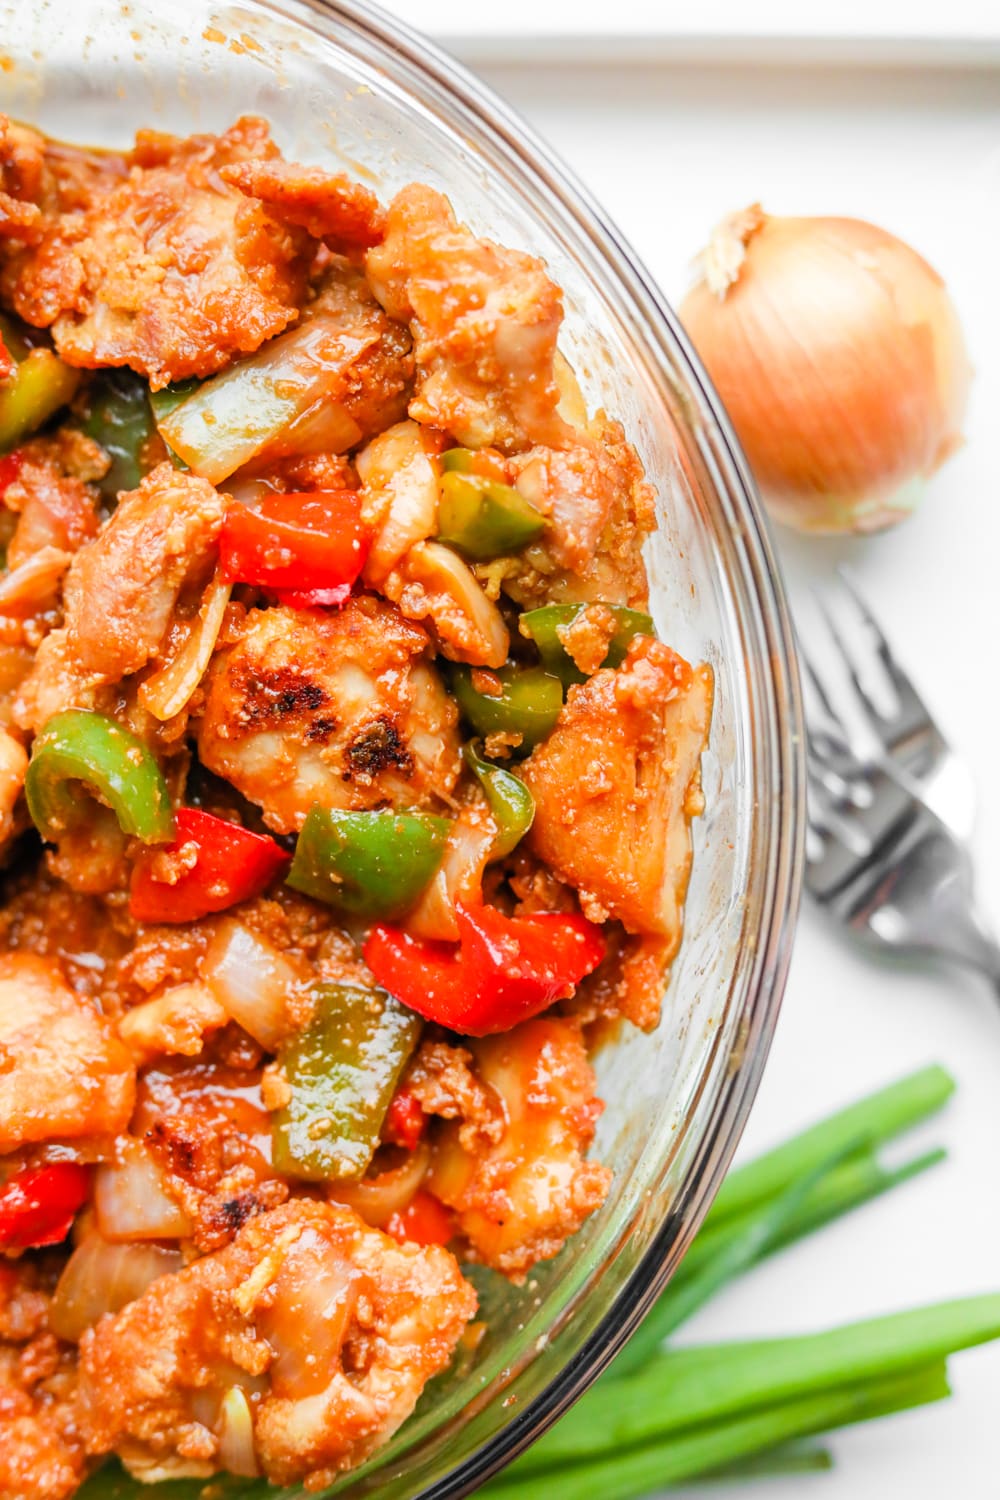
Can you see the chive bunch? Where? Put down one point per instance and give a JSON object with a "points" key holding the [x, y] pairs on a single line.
{"points": [[661, 1416]]}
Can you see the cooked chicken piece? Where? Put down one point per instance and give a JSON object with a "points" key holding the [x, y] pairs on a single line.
{"points": [[485, 321], [329, 206], [616, 784], [21, 162], [40, 1458], [41, 1454], [600, 509], [520, 1199], [399, 497], [628, 982], [176, 1021], [25, 1286], [13, 765], [51, 175], [70, 452], [55, 510], [121, 591], [335, 707], [54, 681], [330, 1329], [170, 269], [55, 514], [63, 1072]]}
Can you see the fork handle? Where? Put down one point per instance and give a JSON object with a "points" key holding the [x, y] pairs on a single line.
{"points": [[977, 948]]}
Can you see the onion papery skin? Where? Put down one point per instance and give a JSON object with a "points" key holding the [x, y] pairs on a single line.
{"points": [[840, 359]]}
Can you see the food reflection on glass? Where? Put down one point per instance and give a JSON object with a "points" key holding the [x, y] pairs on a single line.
{"points": [[363, 786]]}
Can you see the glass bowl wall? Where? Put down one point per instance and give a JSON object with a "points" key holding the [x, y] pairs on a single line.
{"points": [[345, 86]]}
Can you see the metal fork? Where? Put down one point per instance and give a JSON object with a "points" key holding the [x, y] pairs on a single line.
{"points": [[890, 806]]}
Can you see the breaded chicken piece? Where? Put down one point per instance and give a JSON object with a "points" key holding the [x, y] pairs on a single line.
{"points": [[121, 590], [329, 205], [485, 321], [600, 510], [167, 268], [63, 1072], [330, 1327], [616, 784], [520, 1197], [337, 707]]}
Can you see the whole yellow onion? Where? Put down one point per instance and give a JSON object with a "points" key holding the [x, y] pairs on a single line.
{"points": [[840, 359]]}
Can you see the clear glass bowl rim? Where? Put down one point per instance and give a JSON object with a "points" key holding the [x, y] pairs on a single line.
{"points": [[780, 738], [776, 695]]}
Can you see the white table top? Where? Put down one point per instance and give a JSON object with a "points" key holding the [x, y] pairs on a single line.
{"points": [[669, 150]]}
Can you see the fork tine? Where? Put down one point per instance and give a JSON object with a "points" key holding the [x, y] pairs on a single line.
{"points": [[835, 722], [909, 699], [872, 708]]}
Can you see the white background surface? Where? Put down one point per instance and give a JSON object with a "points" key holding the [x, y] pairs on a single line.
{"points": [[859, 28], [668, 150]]}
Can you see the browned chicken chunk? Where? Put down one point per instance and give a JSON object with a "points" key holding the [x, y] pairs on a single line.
{"points": [[170, 269], [294, 1352], [122, 588], [617, 783], [63, 1072], [329, 206], [335, 707], [485, 322], [39, 1456], [520, 1198], [600, 509]]}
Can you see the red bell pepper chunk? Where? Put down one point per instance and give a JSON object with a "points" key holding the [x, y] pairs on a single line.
{"points": [[314, 598], [503, 969], [301, 543], [227, 864], [424, 1221], [8, 364], [404, 1121], [38, 1205], [10, 468]]}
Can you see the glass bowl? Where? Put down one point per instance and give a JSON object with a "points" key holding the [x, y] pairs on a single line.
{"points": [[344, 85]]}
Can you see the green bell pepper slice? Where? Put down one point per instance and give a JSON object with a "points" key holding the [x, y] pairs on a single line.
{"points": [[461, 461], [373, 864], [166, 401], [483, 518], [39, 386], [120, 418], [543, 626], [529, 703], [511, 803], [80, 746], [342, 1071]]}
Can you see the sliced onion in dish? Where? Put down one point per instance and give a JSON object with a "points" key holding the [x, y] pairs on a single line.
{"points": [[131, 1200], [306, 1321], [170, 689], [235, 1432], [102, 1277], [376, 1199], [252, 408], [262, 989], [459, 876], [28, 588]]}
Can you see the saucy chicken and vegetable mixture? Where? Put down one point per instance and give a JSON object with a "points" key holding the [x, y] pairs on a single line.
{"points": [[344, 786]]}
